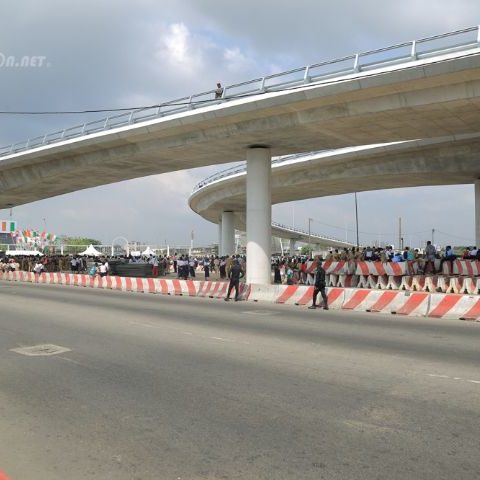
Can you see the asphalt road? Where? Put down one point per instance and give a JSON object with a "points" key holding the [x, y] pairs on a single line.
{"points": [[158, 387]]}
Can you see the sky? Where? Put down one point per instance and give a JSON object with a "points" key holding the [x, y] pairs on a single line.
{"points": [[119, 53]]}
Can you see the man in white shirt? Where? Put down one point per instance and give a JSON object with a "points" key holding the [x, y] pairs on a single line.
{"points": [[38, 268], [103, 269]]}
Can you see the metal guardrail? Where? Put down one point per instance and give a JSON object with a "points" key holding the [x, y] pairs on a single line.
{"points": [[459, 40], [310, 234], [242, 169]]}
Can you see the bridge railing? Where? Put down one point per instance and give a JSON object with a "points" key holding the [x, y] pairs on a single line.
{"points": [[459, 40], [311, 234], [237, 169]]}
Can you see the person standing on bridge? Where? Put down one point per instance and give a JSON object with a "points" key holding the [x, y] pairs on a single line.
{"points": [[218, 91], [319, 286]]}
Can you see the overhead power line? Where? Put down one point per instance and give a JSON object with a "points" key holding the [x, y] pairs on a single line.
{"points": [[196, 102]]}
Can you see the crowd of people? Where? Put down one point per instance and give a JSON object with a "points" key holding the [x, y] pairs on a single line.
{"points": [[231, 268], [293, 270], [286, 269], [219, 267], [183, 266]]}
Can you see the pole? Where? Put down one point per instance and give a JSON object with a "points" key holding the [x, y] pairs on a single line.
{"points": [[433, 236], [309, 242], [400, 232], [356, 218]]}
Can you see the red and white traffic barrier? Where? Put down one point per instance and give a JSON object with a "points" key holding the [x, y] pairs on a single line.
{"points": [[220, 290], [161, 286], [456, 285], [347, 281], [470, 268], [390, 301], [443, 283], [394, 282], [298, 295], [363, 281], [414, 304], [213, 289], [466, 307], [143, 285], [372, 281], [418, 283], [381, 282], [431, 283], [369, 300], [265, 293], [406, 284], [183, 287], [472, 285], [338, 268], [294, 295], [389, 268], [331, 280]]}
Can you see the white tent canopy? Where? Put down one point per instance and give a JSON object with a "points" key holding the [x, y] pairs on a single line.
{"points": [[91, 251], [148, 251], [23, 252]]}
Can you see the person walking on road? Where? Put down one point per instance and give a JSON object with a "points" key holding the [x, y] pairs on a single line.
{"points": [[236, 273], [319, 286]]}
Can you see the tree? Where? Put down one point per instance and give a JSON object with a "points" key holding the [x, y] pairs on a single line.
{"points": [[80, 241], [306, 250]]}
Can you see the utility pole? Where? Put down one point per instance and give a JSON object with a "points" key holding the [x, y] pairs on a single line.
{"points": [[356, 218], [400, 232], [191, 243], [309, 247]]}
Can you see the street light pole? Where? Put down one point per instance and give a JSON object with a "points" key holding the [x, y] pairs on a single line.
{"points": [[309, 247], [356, 218]]}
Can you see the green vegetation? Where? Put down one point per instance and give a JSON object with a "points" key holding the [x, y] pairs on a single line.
{"points": [[306, 250], [80, 241]]}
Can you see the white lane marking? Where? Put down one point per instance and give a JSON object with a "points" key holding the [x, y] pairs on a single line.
{"points": [[257, 312], [80, 364], [148, 325], [454, 378]]}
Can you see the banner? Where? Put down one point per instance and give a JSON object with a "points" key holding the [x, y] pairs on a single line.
{"points": [[7, 226]]}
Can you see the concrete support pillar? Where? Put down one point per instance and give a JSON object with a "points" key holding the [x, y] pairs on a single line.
{"points": [[477, 213], [220, 247], [292, 246], [228, 234], [259, 216]]}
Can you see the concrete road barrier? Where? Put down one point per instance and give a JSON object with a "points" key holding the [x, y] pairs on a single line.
{"points": [[412, 303], [454, 306]]}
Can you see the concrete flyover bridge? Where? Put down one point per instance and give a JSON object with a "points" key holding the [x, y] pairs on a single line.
{"points": [[421, 89], [450, 160]]}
